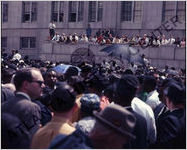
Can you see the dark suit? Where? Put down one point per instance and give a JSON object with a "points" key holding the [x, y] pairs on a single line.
{"points": [[6, 94], [28, 112], [140, 131], [171, 130]]}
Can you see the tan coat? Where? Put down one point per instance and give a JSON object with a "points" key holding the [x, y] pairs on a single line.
{"points": [[46, 134]]}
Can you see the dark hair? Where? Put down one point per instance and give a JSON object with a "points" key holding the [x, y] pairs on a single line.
{"points": [[77, 83], [150, 81], [23, 75], [176, 93], [63, 98], [71, 71], [126, 88]]}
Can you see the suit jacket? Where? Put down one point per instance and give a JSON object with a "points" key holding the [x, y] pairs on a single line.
{"points": [[6, 94], [140, 131], [171, 129], [28, 112]]}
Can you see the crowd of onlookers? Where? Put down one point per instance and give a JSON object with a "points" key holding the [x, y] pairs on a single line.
{"points": [[108, 37], [104, 105]]}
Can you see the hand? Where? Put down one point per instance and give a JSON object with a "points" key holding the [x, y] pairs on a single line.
{"points": [[104, 102]]}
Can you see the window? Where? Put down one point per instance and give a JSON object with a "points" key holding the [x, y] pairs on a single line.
{"points": [[172, 9], [27, 42], [126, 11], [4, 12], [168, 10], [3, 42], [95, 11], [137, 11], [131, 11], [57, 11], [76, 11], [181, 12], [29, 11]]}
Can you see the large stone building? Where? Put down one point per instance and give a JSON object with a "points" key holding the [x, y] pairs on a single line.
{"points": [[25, 24]]}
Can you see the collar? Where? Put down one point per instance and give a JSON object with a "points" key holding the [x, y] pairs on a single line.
{"points": [[24, 94], [150, 93], [60, 119], [175, 109]]}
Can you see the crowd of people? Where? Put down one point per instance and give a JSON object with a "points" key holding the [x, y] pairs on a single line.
{"points": [[107, 36], [101, 105]]}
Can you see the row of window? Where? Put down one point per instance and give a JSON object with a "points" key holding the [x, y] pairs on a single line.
{"points": [[130, 11], [25, 42]]}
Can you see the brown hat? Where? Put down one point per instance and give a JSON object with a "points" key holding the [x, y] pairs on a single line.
{"points": [[118, 118]]}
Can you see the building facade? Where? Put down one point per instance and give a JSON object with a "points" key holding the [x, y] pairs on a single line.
{"points": [[24, 24]]}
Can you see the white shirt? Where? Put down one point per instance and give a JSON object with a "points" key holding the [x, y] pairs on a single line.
{"points": [[153, 99], [145, 110], [16, 56], [52, 26]]}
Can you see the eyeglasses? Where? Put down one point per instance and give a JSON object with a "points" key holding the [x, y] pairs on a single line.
{"points": [[39, 82]]}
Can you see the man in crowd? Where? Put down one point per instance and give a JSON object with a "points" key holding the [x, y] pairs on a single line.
{"points": [[29, 84], [52, 27], [125, 91], [113, 128], [149, 86], [63, 105], [171, 126]]}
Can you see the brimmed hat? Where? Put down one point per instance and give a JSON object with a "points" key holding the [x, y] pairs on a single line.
{"points": [[117, 118], [127, 85]]}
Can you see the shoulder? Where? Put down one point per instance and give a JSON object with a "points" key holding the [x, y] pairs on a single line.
{"points": [[76, 140]]}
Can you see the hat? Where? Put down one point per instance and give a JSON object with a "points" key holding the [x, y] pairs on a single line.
{"points": [[63, 98], [90, 102], [176, 92], [127, 85], [117, 118]]}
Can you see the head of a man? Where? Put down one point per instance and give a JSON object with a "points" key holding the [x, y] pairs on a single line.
{"points": [[29, 81], [50, 78], [125, 90], [63, 99], [175, 95], [149, 83], [113, 127]]}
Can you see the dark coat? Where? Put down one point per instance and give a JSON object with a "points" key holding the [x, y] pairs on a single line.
{"points": [[171, 130], [6, 94], [76, 140], [28, 112], [13, 135], [160, 110], [140, 131], [46, 115]]}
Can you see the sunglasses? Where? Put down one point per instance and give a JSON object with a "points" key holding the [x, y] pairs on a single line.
{"points": [[39, 82]]}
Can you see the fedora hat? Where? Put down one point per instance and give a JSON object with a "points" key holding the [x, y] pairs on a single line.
{"points": [[117, 118]]}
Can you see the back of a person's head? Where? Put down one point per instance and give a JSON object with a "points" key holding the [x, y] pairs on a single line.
{"points": [[150, 82], [71, 71], [176, 92], [126, 87], [22, 75], [128, 71], [63, 98], [77, 83]]}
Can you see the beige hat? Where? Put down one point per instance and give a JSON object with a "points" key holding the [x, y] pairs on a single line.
{"points": [[117, 118]]}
